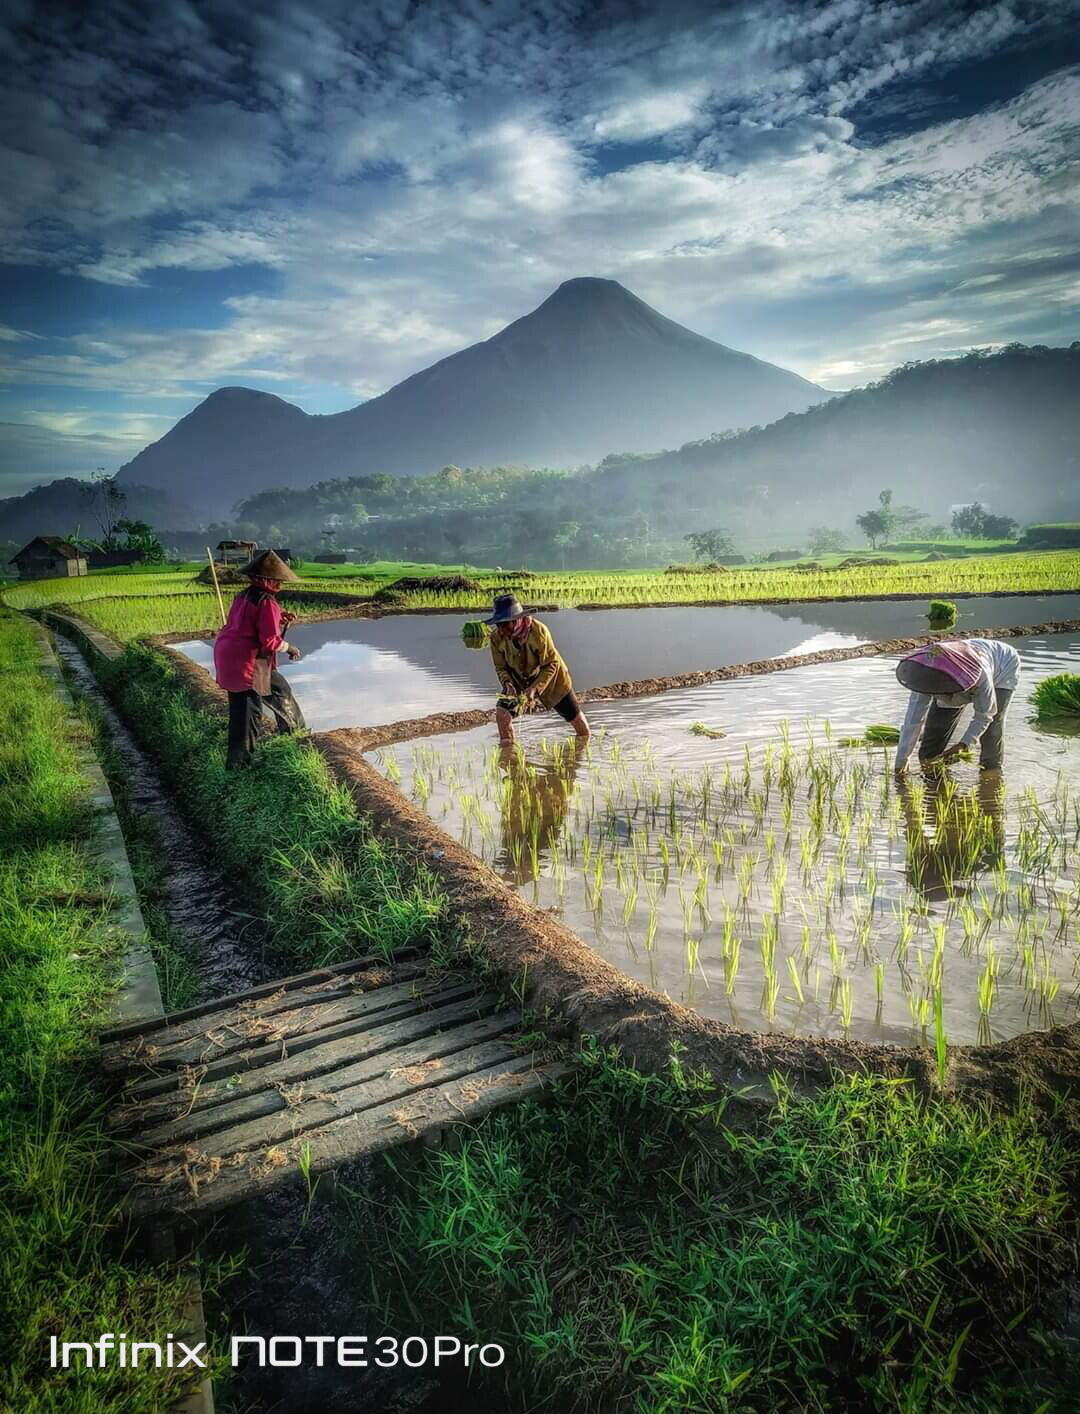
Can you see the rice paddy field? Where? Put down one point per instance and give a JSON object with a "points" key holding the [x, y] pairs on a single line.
{"points": [[128, 613], [775, 879]]}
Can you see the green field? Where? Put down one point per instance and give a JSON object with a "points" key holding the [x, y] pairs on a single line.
{"points": [[63, 1268], [132, 605]]}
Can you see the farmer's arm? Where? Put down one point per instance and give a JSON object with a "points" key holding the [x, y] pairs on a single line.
{"points": [[502, 668], [549, 661], [917, 710], [268, 627], [985, 702]]}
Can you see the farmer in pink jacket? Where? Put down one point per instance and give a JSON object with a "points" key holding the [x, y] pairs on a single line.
{"points": [[245, 658]]}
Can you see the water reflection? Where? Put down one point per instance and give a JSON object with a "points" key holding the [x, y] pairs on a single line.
{"points": [[534, 801], [952, 834], [372, 671]]}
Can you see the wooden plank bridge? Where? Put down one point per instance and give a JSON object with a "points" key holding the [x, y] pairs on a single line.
{"points": [[234, 1097]]}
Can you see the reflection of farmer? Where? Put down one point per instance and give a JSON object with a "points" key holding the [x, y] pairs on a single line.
{"points": [[529, 669], [245, 658], [952, 835], [534, 806], [942, 679]]}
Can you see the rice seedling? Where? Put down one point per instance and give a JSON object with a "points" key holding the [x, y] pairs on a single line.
{"points": [[789, 846]]}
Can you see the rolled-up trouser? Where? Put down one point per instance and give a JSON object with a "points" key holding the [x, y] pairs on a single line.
{"points": [[245, 715], [941, 723], [246, 718], [283, 706]]}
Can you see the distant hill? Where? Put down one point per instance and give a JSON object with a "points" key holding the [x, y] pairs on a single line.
{"points": [[592, 369], [59, 507], [1002, 428]]}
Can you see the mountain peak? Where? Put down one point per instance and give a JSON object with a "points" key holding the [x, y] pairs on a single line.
{"points": [[593, 369]]}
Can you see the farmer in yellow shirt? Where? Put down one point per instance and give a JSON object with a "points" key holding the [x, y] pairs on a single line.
{"points": [[529, 669]]}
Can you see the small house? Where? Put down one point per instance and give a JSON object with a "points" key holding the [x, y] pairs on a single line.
{"points": [[236, 552], [49, 557]]}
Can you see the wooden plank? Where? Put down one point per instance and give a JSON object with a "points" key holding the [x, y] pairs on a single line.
{"points": [[203, 1185], [274, 1004], [242, 1033], [257, 1056], [321, 1107], [111, 1034], [434, 1027]]}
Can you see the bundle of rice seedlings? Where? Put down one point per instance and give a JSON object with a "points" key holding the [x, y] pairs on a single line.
{"points": [[942, 613], [475, 635], [1058, 696]]}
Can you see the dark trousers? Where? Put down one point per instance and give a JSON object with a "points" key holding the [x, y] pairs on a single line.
{"points": [[941, 723], [246, 718]]}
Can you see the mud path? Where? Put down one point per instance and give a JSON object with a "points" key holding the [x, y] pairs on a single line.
{"points": [[226, 944]]}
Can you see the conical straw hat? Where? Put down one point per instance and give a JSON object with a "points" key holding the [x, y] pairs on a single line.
{"points": [[269, 565]]}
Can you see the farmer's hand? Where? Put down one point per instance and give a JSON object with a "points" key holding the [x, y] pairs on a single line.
{"points": [[294, 653], [900, 771], [287, 619], [954, 753]]}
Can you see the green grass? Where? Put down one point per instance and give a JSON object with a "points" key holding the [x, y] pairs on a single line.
{"points": [[633, 1252], [63, 1268], [329, 886]]}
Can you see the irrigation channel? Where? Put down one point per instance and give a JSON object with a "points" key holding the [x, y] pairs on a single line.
{"points": [[378, 670], [774, 879], [296, 1276]]}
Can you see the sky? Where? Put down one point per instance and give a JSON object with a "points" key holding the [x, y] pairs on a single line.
{"points": [[318, 199]]}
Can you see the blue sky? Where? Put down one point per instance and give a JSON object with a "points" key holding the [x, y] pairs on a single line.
{"points": [[320, 199]]}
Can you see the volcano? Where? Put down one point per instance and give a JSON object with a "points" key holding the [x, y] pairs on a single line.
{"points": [[592, 370]]}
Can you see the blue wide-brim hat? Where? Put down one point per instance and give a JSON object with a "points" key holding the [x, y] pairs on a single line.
{"points": [[506, 609]]}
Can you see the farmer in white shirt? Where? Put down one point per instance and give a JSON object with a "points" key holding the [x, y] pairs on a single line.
{"points": [[943, 678]]}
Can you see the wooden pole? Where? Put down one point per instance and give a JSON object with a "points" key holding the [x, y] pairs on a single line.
{"points": [[217, 587]]}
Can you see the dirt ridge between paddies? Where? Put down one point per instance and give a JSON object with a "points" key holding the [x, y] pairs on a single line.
{"points": [[580, 995]]}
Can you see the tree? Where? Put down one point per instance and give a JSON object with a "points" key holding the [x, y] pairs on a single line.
{"points": [[976, 522], [141, 537], [877, 525], [967, 521], [998, 527], [710, 544], [565, 536], [358, 515], [824, 541], [106, 500]]}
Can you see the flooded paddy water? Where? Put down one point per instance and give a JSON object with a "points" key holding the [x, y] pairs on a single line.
{"points": [[774, 879], [373, 671]]}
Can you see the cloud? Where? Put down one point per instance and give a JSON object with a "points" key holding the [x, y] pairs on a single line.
{"points": [[32, 454], [417, 176]]}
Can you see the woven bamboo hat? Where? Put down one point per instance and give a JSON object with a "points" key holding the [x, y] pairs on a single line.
{"points": [[269, 565]]}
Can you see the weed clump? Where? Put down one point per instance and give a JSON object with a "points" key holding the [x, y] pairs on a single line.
{"points": [[639, 1253]]}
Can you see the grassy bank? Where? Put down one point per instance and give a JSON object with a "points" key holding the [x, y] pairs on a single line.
{"points": [[328, 886], [63, 1271], [131, 606], [631, 1252]]}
